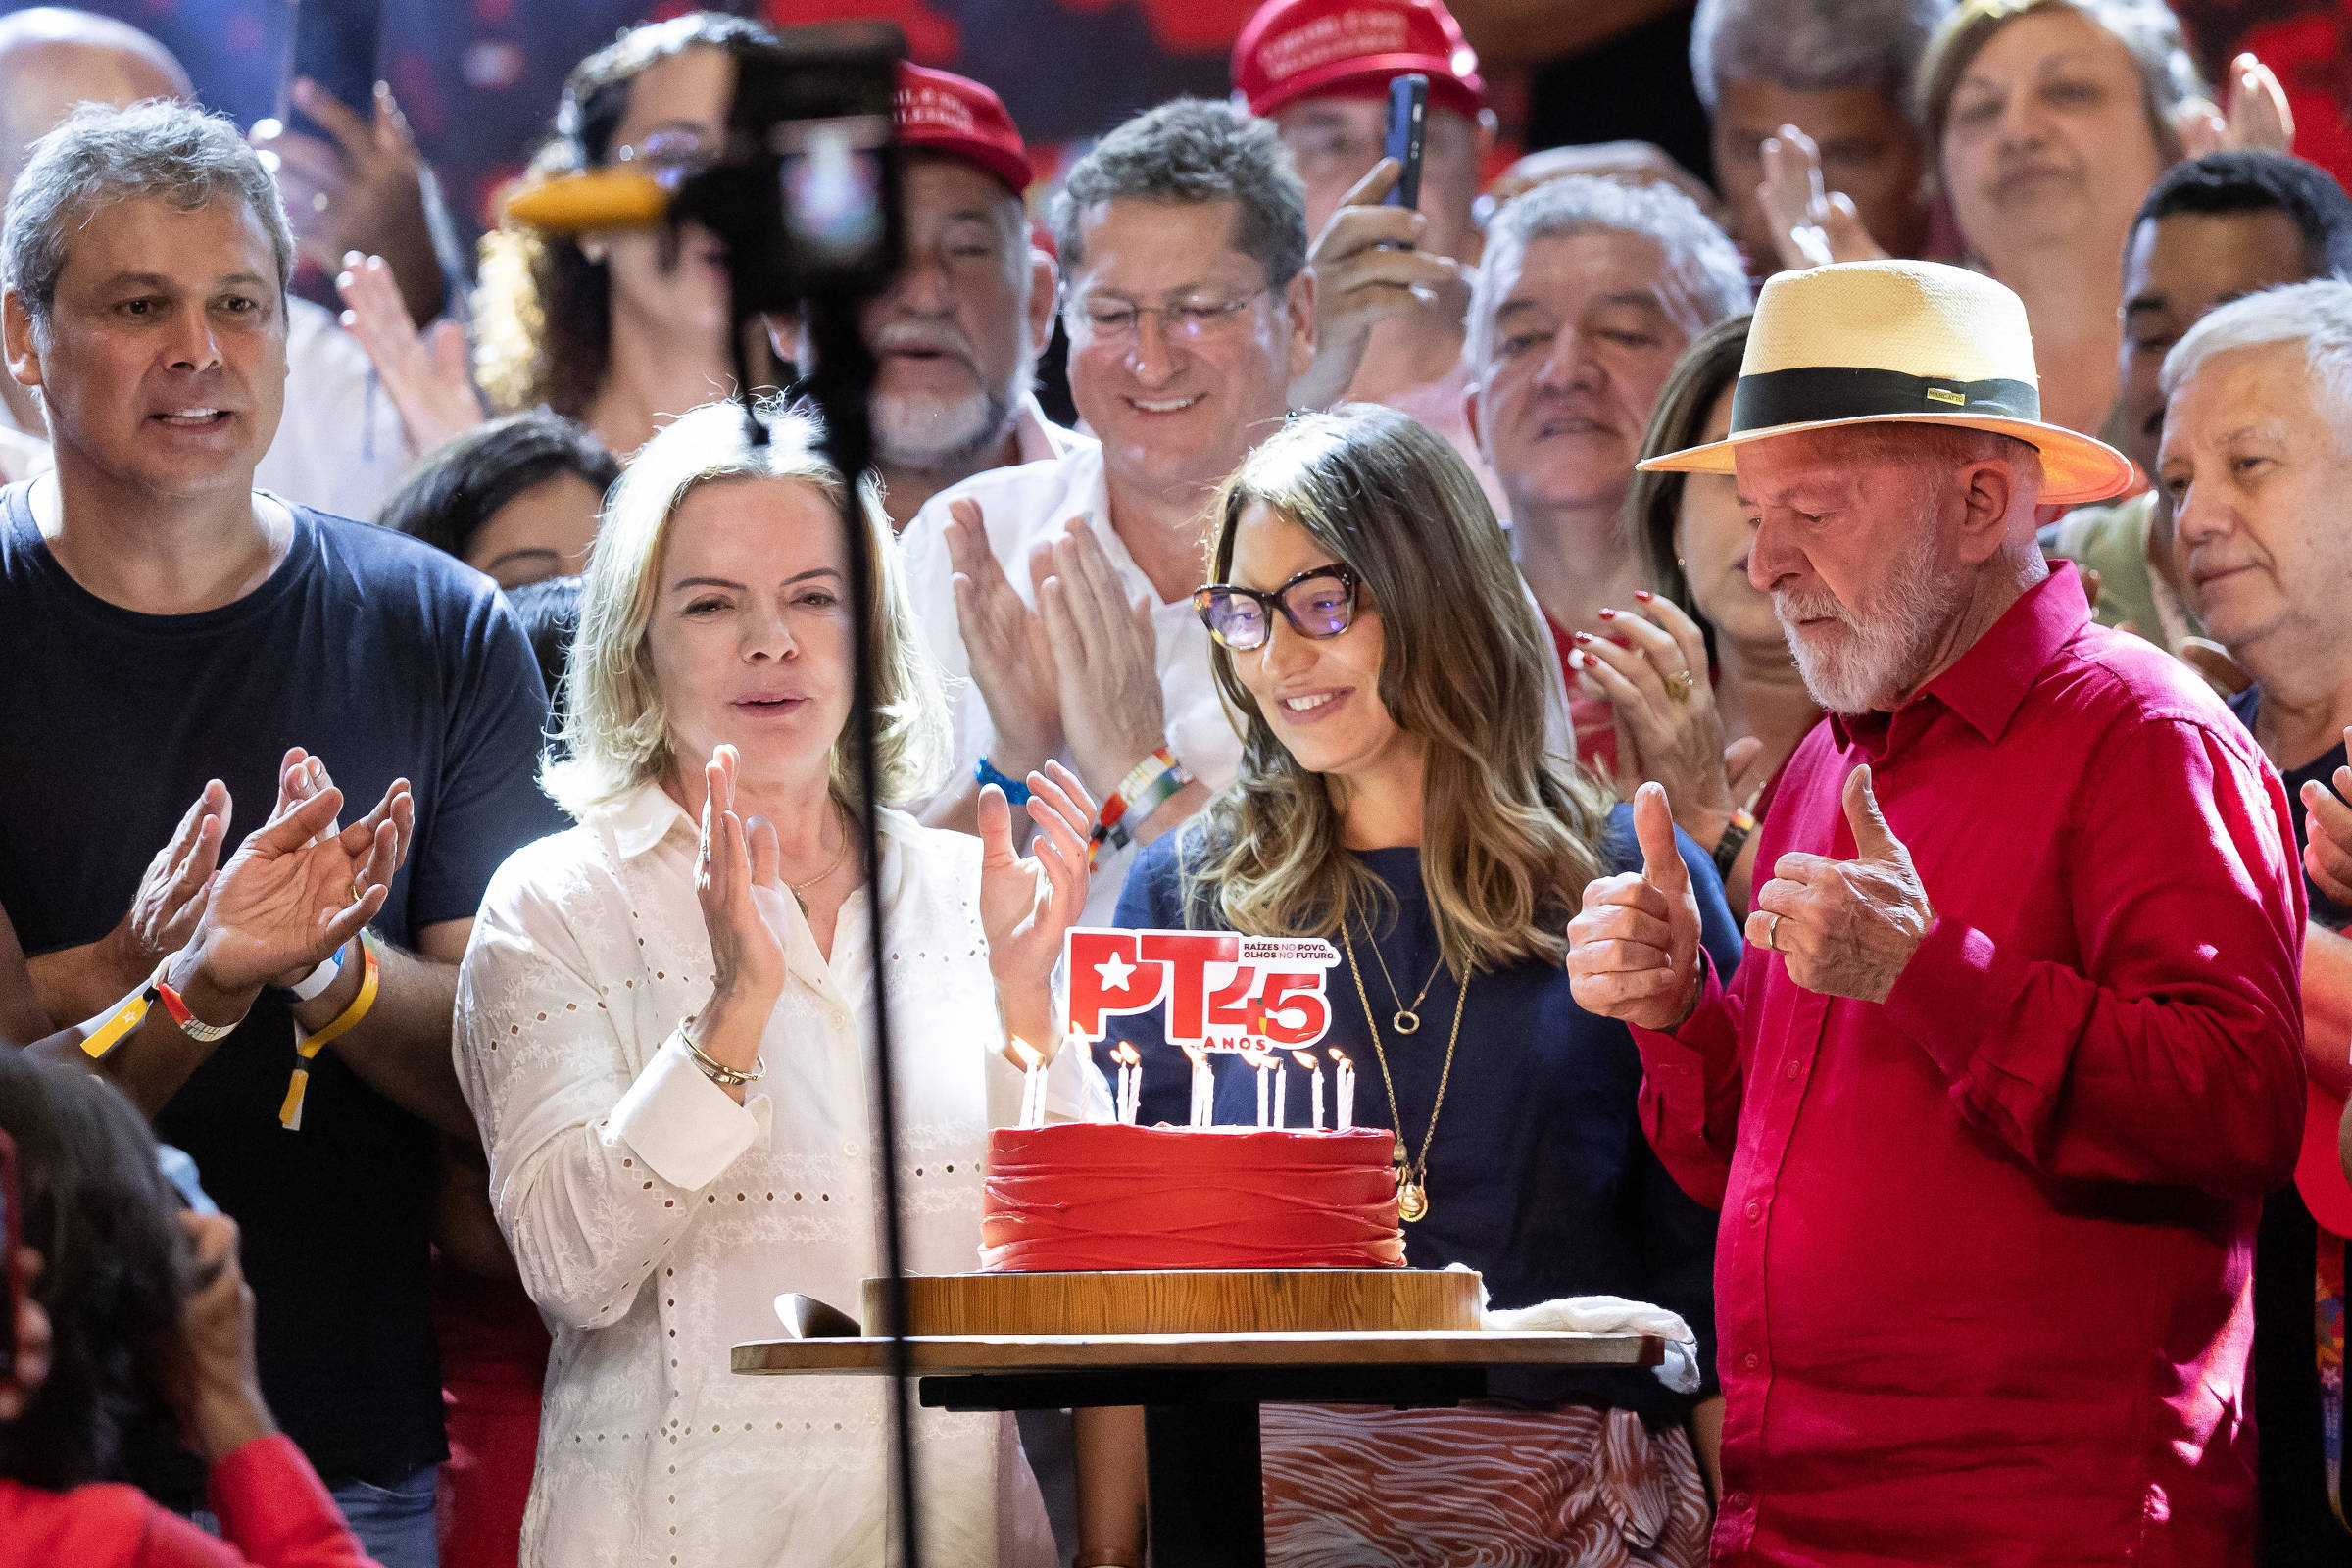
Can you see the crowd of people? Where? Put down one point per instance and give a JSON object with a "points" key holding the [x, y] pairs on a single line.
{"points": [[1822, 703]]}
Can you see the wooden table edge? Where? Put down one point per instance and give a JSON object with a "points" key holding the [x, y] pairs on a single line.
{"points": [[968, 1353]]}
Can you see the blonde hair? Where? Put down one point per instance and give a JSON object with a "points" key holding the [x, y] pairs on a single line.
{"points": [[1512, 834], [616, 734]]}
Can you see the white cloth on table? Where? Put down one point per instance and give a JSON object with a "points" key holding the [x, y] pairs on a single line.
{"points": [[655, 1221], [1606, 1314]]}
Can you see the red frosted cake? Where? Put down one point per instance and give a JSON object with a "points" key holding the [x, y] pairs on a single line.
{"points": [[1107, 1196]]}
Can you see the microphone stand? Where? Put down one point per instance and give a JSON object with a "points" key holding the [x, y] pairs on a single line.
{"points": [[843, 381]]}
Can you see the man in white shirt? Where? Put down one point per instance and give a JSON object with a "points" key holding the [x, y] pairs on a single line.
{"points": [[1062, 589], [340, 447]]}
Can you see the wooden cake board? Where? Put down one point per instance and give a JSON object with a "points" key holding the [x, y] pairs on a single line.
{"points": [[1184, 1302]]}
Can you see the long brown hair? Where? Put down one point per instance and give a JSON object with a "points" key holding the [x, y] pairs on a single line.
{"points": [[1510, 832]]}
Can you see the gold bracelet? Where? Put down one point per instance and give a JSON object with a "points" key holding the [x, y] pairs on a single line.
{"points": [[717, 1071]]}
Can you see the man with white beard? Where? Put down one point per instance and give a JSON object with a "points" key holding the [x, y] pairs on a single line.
{"points": [[2017, 1049], [958, 333]]}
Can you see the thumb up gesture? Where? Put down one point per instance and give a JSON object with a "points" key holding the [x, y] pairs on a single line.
{"points": [[1633, 949], [1845, 928]]}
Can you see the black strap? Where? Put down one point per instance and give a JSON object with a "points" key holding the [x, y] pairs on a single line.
{"points": [[1812, 393]]}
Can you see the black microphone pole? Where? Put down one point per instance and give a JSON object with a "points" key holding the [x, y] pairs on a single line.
{"points": [[843, 380]]}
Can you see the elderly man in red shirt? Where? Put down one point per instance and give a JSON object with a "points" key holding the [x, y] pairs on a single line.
{"points": [[2018, 1048]]}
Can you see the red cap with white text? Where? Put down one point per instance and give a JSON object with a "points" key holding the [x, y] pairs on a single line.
{"points": [[946, 113], [1292, 49]]}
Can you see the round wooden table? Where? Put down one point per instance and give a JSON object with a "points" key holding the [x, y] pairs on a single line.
{"points": [[1201, 1393]]}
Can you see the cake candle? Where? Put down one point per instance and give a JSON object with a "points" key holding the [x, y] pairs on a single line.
{"points": [[1204, 1087], [1033, 1082], [1259, 1061], [1131, 1082], [1282, 1090], [1314, 1069], [1345, 1088]]}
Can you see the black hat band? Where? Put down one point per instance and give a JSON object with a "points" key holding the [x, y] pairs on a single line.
{"points": [[1812, 394]]}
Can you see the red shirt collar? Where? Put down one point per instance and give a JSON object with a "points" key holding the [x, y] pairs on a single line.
{"points": [[1986, 685]]}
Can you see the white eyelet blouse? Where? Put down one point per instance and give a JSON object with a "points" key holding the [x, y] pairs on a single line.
{"points": [[655, 1221]]}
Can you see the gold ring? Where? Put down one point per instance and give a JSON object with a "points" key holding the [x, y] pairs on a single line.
{"points": [[1772, 934], [1677, 685]]}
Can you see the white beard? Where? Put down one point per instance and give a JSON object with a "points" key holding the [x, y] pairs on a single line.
{"points": [[930, 433], [1884, 657]]}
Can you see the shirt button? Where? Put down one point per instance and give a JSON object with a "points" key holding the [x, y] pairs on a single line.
{"points": [[1795, 1071], [1750, 1360], [1756, 1209]]}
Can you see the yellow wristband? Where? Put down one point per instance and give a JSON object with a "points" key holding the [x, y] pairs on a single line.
{"points": [[307, 1045], [128, 1014]]}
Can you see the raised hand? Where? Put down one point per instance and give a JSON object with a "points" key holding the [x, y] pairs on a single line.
{"points": [[288, 897], [1367, 270], [363, 191], [1811, 226], [1846, 928], [2254, 114], [1661, 694], [1027, 906], [2328, 833], [1633, 949], [172, 895], [428, 374], [747, 955], [209, 1377], [1005, 642], [1105, 661]]}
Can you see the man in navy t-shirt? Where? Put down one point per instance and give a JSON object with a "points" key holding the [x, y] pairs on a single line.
{"points": [[163, 625]]}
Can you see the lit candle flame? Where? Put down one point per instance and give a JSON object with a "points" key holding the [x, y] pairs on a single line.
{"points": [[1307, 1059], [1126, 1054], [1199, 1056], [1026, 1054], [1341, 1057], [1257, 1057]]}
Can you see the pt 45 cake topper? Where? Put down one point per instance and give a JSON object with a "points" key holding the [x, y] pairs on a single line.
{"points": [[1223, 992]]}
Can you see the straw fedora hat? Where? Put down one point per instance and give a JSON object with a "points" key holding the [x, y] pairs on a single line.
{"points": [[1899, 342]]}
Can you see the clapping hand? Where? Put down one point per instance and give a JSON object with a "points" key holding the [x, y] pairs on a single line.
{"points": [[1005, 645], [1027, 904], [745, 952], [1368, 271], [1632, 949], [172, 895], [2254, 114], [1811, 226], [293, 893], [1666, 704], [1105, 661], [2328, 833], [1845, 928], [428, 374]]}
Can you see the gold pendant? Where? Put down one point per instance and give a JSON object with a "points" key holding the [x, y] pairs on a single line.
{"points": [[1406, 1021], [1413, 1201]]}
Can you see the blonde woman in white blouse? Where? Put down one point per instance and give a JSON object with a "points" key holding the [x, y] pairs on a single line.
{"points": [[662, 1027]]}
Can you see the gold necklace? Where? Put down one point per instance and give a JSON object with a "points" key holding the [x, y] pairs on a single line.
{"points": [[839, 855], [1413, 1176], [1407, 1020]]}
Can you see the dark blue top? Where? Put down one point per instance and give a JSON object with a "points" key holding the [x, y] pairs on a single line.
{"points": [[390, 660], [1539, 1176]]}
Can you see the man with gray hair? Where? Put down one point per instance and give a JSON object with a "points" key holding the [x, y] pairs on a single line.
{"points": [[1836, 72], [1063, 589], [170, 634], [1586, 294], [2257, 460]]}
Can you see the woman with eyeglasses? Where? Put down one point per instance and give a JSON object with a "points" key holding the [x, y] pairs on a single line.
{"points": [[1396, 798], [622, 330]]}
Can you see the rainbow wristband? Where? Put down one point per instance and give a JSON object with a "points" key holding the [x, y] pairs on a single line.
{"points": [[1164, 778]]}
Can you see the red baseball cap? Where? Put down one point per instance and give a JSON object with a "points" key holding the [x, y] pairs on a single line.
{"points": [[952, 113], [1292, 49]]}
